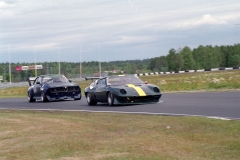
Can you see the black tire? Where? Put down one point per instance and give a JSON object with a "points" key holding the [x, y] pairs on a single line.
{"points": [[43, 97], [90, 100], [30, 97], [110, 99]]}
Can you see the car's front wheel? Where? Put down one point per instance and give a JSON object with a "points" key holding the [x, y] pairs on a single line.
{"points": [[90, 100], [30, 97], [43, 97], [110, 99]]}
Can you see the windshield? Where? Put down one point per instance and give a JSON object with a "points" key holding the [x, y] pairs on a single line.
{"points": [[120, 80], [55, 79]]}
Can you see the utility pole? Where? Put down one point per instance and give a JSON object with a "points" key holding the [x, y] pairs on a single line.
{"points": [[58, 58], [4, 75], [10, 72], [35, 59], [100, 74], [80, 67], [100, 67], [47, 69]]}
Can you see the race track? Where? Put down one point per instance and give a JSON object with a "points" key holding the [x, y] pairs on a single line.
{"points": [[223, 105]]}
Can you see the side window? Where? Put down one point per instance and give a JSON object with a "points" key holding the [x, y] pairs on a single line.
{"points": [[39, 79], [35, 81], [103, 83], [93, 84]]}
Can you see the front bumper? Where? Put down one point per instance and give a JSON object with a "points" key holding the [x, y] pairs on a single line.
{"points": [[137, 99], [59, 96]]}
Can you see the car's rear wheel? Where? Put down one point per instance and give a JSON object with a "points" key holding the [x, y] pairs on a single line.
{"points": [[43, 97], [110, 99], [30, 97], [90, 100]]}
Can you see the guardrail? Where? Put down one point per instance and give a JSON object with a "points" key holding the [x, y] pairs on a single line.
{"points": [[8, 85], [4, 85], [23, 84], [188, 71]]}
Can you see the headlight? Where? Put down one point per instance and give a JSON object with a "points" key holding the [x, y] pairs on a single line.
{"points": [[123, 91], [53, 90], [155, 89]]}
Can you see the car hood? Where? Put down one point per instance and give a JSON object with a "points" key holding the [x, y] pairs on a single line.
{"points": [[62, 84], [138, 89]]}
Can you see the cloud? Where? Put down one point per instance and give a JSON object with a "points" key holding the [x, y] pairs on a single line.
{"points": [[206, 19], [35, 47], [5, 10], [231, 17], [131, 40], [152, 27], [3, 4], [47, 46]]}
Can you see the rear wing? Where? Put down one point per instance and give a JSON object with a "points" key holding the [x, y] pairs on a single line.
{"points": [[92, 78], [29, 79]]}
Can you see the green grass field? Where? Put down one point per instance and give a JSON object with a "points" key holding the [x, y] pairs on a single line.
{"points": [[203, 81], [55, 135], [199, 81], [33, 135]]}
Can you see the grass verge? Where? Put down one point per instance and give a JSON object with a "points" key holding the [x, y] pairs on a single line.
{"points": [[69, 136], [219, 80]]}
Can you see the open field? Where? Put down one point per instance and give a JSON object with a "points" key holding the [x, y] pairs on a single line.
{"points": [[59, 135], [218, 80], [213, 81], [67, 136]]}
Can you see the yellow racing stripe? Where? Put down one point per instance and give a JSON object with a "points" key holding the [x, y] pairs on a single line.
{"points": [[138, 89]]}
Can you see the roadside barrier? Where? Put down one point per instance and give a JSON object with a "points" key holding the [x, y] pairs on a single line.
{"points": [[4, 85], [189, 71]]}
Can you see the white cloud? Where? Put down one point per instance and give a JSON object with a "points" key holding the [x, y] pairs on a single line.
{"points": [[235, 17], [112, 24], [206, 19], [3, 5], [5, 10], [42, 47], [131, 40]]}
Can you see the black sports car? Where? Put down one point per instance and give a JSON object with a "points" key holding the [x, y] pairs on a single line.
{"points": [[51, 88], [122, 89]]}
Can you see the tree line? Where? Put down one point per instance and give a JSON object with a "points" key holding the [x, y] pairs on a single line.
{"points": [[202, 57], [73, 70]]}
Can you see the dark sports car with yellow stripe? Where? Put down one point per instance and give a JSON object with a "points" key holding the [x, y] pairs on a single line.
{"points": [[121, 89]]}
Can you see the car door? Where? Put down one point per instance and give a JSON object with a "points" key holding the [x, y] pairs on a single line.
{"points": [[37, 86], [101, 90]]}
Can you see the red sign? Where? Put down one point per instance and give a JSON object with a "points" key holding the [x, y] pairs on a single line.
{"points": [[18, 68], [23, 68]]}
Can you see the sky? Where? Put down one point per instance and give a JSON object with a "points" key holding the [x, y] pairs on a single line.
{"points": [[112, 30]]}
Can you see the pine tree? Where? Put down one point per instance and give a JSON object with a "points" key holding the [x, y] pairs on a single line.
{"points": [[188, 61]]}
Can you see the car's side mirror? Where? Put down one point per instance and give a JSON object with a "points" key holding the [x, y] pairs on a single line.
{"points": [[70, 81]]}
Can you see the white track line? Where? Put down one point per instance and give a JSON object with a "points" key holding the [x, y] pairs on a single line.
{"points": [[145, 113]]}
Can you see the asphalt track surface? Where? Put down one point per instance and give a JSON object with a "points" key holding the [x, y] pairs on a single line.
{"points": [[222, 105]]}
